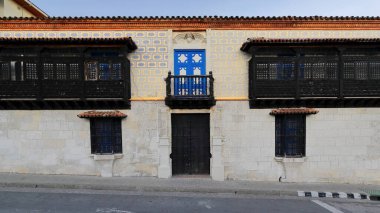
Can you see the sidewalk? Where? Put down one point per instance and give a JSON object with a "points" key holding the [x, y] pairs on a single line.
{"points": [[175, 184]]}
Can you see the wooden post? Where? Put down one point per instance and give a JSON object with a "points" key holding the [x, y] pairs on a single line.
{"points": [[252, 78], [340, 72], [40, 74], [297, 68], [127, 79], [168, 84], [82, 74], [211, 85]]}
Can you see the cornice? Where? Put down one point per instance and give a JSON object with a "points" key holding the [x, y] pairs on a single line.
{"points": [[95, 24]]}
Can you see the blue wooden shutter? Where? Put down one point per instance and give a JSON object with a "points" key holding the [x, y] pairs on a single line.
{"points": [[190, 63]]}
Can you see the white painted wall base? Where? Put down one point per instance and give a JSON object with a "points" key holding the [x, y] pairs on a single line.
{"points": [[217, 167], [164, 169], [104, 164]]}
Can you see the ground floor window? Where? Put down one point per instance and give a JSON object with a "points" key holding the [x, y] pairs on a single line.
{"points": [[106, 135], [290, 135]]}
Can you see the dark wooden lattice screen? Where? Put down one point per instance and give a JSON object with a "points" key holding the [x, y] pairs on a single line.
{"points": [[275, 76], [318, 75], [64, 72], [106, 135], [5, 71], [322, 72]]}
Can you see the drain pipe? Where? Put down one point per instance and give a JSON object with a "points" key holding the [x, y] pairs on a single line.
{"points": [[283, 176]]}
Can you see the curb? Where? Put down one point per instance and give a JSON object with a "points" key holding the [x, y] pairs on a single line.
{"points": [[151, 189], [353, 195]]}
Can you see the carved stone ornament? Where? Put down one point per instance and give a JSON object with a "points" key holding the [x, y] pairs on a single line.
{"points": [[189, 37]]}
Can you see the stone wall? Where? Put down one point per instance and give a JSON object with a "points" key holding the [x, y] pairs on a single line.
{"points": [[342, 145], [230, 65], [12, 9], [58, 142]]}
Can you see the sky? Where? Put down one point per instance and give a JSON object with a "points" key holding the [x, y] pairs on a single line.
{"points": [[209, 7]]}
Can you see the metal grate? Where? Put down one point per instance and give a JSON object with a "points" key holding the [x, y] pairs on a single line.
{"points": [[31, 71], [48, 70], [275, 68], [103, 70], [106, 135], [5, 71], [74, 71], [290, 135]]}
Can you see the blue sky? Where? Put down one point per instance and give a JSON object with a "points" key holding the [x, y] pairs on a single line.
{"points": [[209, 7]]}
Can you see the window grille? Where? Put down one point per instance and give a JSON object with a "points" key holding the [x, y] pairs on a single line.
{"points": [[103, 70], [290, 135], [106, 135]]}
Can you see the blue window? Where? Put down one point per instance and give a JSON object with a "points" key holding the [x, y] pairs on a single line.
{"points": [[104, 71], [105, 135], [189, 63], [290, 135]]}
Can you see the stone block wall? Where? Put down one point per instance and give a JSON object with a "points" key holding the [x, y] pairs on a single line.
{"points": [[58, 142], [342, 145]]}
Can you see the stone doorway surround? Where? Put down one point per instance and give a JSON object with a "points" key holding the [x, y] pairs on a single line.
{"points": [[216, 143]]}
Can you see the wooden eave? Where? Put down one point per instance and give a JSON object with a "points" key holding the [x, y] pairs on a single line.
{"points": [[325, 42], [191, 23], [69, 41]]}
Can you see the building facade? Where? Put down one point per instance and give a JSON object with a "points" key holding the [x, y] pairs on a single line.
{"points": [[20, 8], [165, 96]]}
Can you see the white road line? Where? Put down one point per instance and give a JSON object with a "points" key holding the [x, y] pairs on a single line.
{"points": [[326, 206]]}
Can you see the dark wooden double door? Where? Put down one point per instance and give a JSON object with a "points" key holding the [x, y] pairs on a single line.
{"points": [[190, 144]]}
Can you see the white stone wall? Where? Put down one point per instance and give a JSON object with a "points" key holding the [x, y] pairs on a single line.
{"points": [[12, 9], [45, 142], [58, 142], [342, 145], [230, 65]]}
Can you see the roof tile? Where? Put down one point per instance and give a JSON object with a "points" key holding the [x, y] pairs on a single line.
{"points": [[102, 114], [253, 18], [290, 111], [318, 41]]}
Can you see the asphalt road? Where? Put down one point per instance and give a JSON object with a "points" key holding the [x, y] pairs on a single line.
{"points": [[51, 200]]}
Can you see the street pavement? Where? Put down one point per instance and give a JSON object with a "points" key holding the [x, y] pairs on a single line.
{"points": [[108, 201], [175, 184]]}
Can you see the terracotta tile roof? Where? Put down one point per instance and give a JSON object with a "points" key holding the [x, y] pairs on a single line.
{"points": [[254, 18], [70, 40], [317, 41], [191, 23], [288, 111], [102, 114]]}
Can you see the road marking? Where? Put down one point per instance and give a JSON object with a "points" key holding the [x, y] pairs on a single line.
{"points": [[111, 210], [205, 204], [326, 206]]}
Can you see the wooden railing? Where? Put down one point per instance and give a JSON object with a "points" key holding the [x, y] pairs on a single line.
{"points": [[63, 89], [194, 87], [190, 92]]}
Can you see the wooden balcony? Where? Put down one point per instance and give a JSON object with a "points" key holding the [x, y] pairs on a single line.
{"points": [[190, 92], [314, 72], [54, 74]]}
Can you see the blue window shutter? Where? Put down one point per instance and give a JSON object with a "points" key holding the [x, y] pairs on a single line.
{"points": [[189, 63]]}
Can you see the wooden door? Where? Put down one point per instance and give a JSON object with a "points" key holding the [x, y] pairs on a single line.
{"points": [[190, 144]]}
